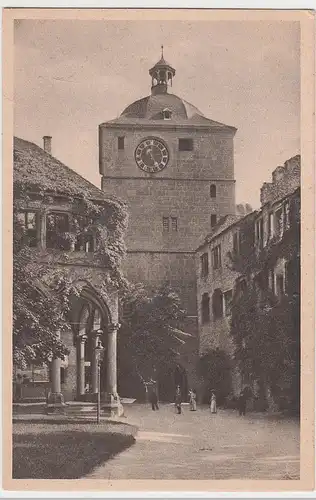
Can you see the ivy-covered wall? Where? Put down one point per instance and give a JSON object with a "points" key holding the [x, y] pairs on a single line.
{"points": [[47, 278]]}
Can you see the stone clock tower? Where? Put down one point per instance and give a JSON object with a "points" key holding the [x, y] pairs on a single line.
{"points": [[175, 169]]}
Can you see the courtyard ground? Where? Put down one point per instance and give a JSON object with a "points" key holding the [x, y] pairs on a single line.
{"points": [[199, 445]]}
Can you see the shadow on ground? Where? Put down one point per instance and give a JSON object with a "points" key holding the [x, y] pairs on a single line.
{"points": [[69, 454]]}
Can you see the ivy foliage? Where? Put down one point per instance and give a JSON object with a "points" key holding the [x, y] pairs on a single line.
{"points": [[266, 328], [150, 334], [42, 284], [214, 367]]}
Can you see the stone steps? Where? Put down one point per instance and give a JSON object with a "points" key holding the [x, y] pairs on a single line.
{"points": [[28, 408]]}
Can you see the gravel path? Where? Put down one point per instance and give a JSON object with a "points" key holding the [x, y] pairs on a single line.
{"points": [[198, 445]]}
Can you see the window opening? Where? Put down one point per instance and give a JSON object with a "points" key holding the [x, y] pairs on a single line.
{"points": [[185, 144], [204, 264], [57, 225], [213, 191], [205, 308]]}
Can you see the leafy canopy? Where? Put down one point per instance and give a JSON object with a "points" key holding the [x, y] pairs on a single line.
{"points": [[150, 336]]}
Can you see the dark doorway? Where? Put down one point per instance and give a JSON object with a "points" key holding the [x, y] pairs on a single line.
{"points": [[169, 378], [181, 379]]}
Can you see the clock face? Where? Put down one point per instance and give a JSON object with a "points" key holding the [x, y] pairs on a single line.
{"points": [[151, 155]]}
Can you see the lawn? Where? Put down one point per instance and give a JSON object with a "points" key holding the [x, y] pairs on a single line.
{"points": [[66, 451]]}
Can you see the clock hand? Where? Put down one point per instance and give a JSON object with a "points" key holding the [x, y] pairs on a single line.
{"points": [[149, 152]]}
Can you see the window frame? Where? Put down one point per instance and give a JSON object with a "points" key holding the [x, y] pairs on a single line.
{"points": [[236, 243], [213, 216], [121, 142], [279, 291], [166, 224], [174, 224], [204, 262], [182, 141], [287, 215], [30, 234], [227, 311], [279, 222], [205, 309], [259, 232], [166, 112], [67, 243], [213, 191], [218, 304], [216, 257], [271, 225]]}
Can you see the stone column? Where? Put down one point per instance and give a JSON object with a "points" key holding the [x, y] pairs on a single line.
{"points": [[113, 405], [55, 402], [81, 365], [94, 364], [111, 383], [55, 374]]}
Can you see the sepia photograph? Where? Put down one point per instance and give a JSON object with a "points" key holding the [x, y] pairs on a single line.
{"points": [[156, 259]]}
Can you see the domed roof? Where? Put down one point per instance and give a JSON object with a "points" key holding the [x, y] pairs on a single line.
{"points": [[152, 107]]}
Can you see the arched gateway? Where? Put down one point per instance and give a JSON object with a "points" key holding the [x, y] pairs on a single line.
{"points": [[76, 377]]}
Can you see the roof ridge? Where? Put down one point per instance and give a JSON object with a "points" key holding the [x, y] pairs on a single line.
{"points": [[85, 183], [60, 162]]}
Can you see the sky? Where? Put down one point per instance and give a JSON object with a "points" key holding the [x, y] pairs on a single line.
{"points": [[70, 76]]}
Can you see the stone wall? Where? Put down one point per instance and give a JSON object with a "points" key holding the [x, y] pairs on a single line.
{"points": [[215, 333], [211, 158], [285, 179], [178, 270], [149, 200], [156, 269]]}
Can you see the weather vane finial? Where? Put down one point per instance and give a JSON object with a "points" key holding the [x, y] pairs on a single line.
{"points": [[162, 51]]}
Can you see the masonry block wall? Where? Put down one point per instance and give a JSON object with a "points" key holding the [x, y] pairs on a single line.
{"points": [[215, 332], [285, 179], [213, 151], [181, 190]]}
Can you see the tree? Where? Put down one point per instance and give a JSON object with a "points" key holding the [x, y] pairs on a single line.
{"points": [[39, 314], [149, 336], [215, 369]]}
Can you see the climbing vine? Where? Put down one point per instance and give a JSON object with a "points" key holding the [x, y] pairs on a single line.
{"points": [[42, 281], [266, 328]]}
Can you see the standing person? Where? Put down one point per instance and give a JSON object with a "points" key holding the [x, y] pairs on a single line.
{"points": [[154, 400], [213, 403], [242, 401], [192, 395], [178, 400]]}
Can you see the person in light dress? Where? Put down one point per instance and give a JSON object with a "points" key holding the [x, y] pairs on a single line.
{"points": [[213, 403], [192, 396]]}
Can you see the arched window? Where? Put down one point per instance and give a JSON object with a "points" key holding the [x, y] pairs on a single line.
{"points": [[84, 319], [212, 191], [96, 319], [217, 304], [205, 308]]}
